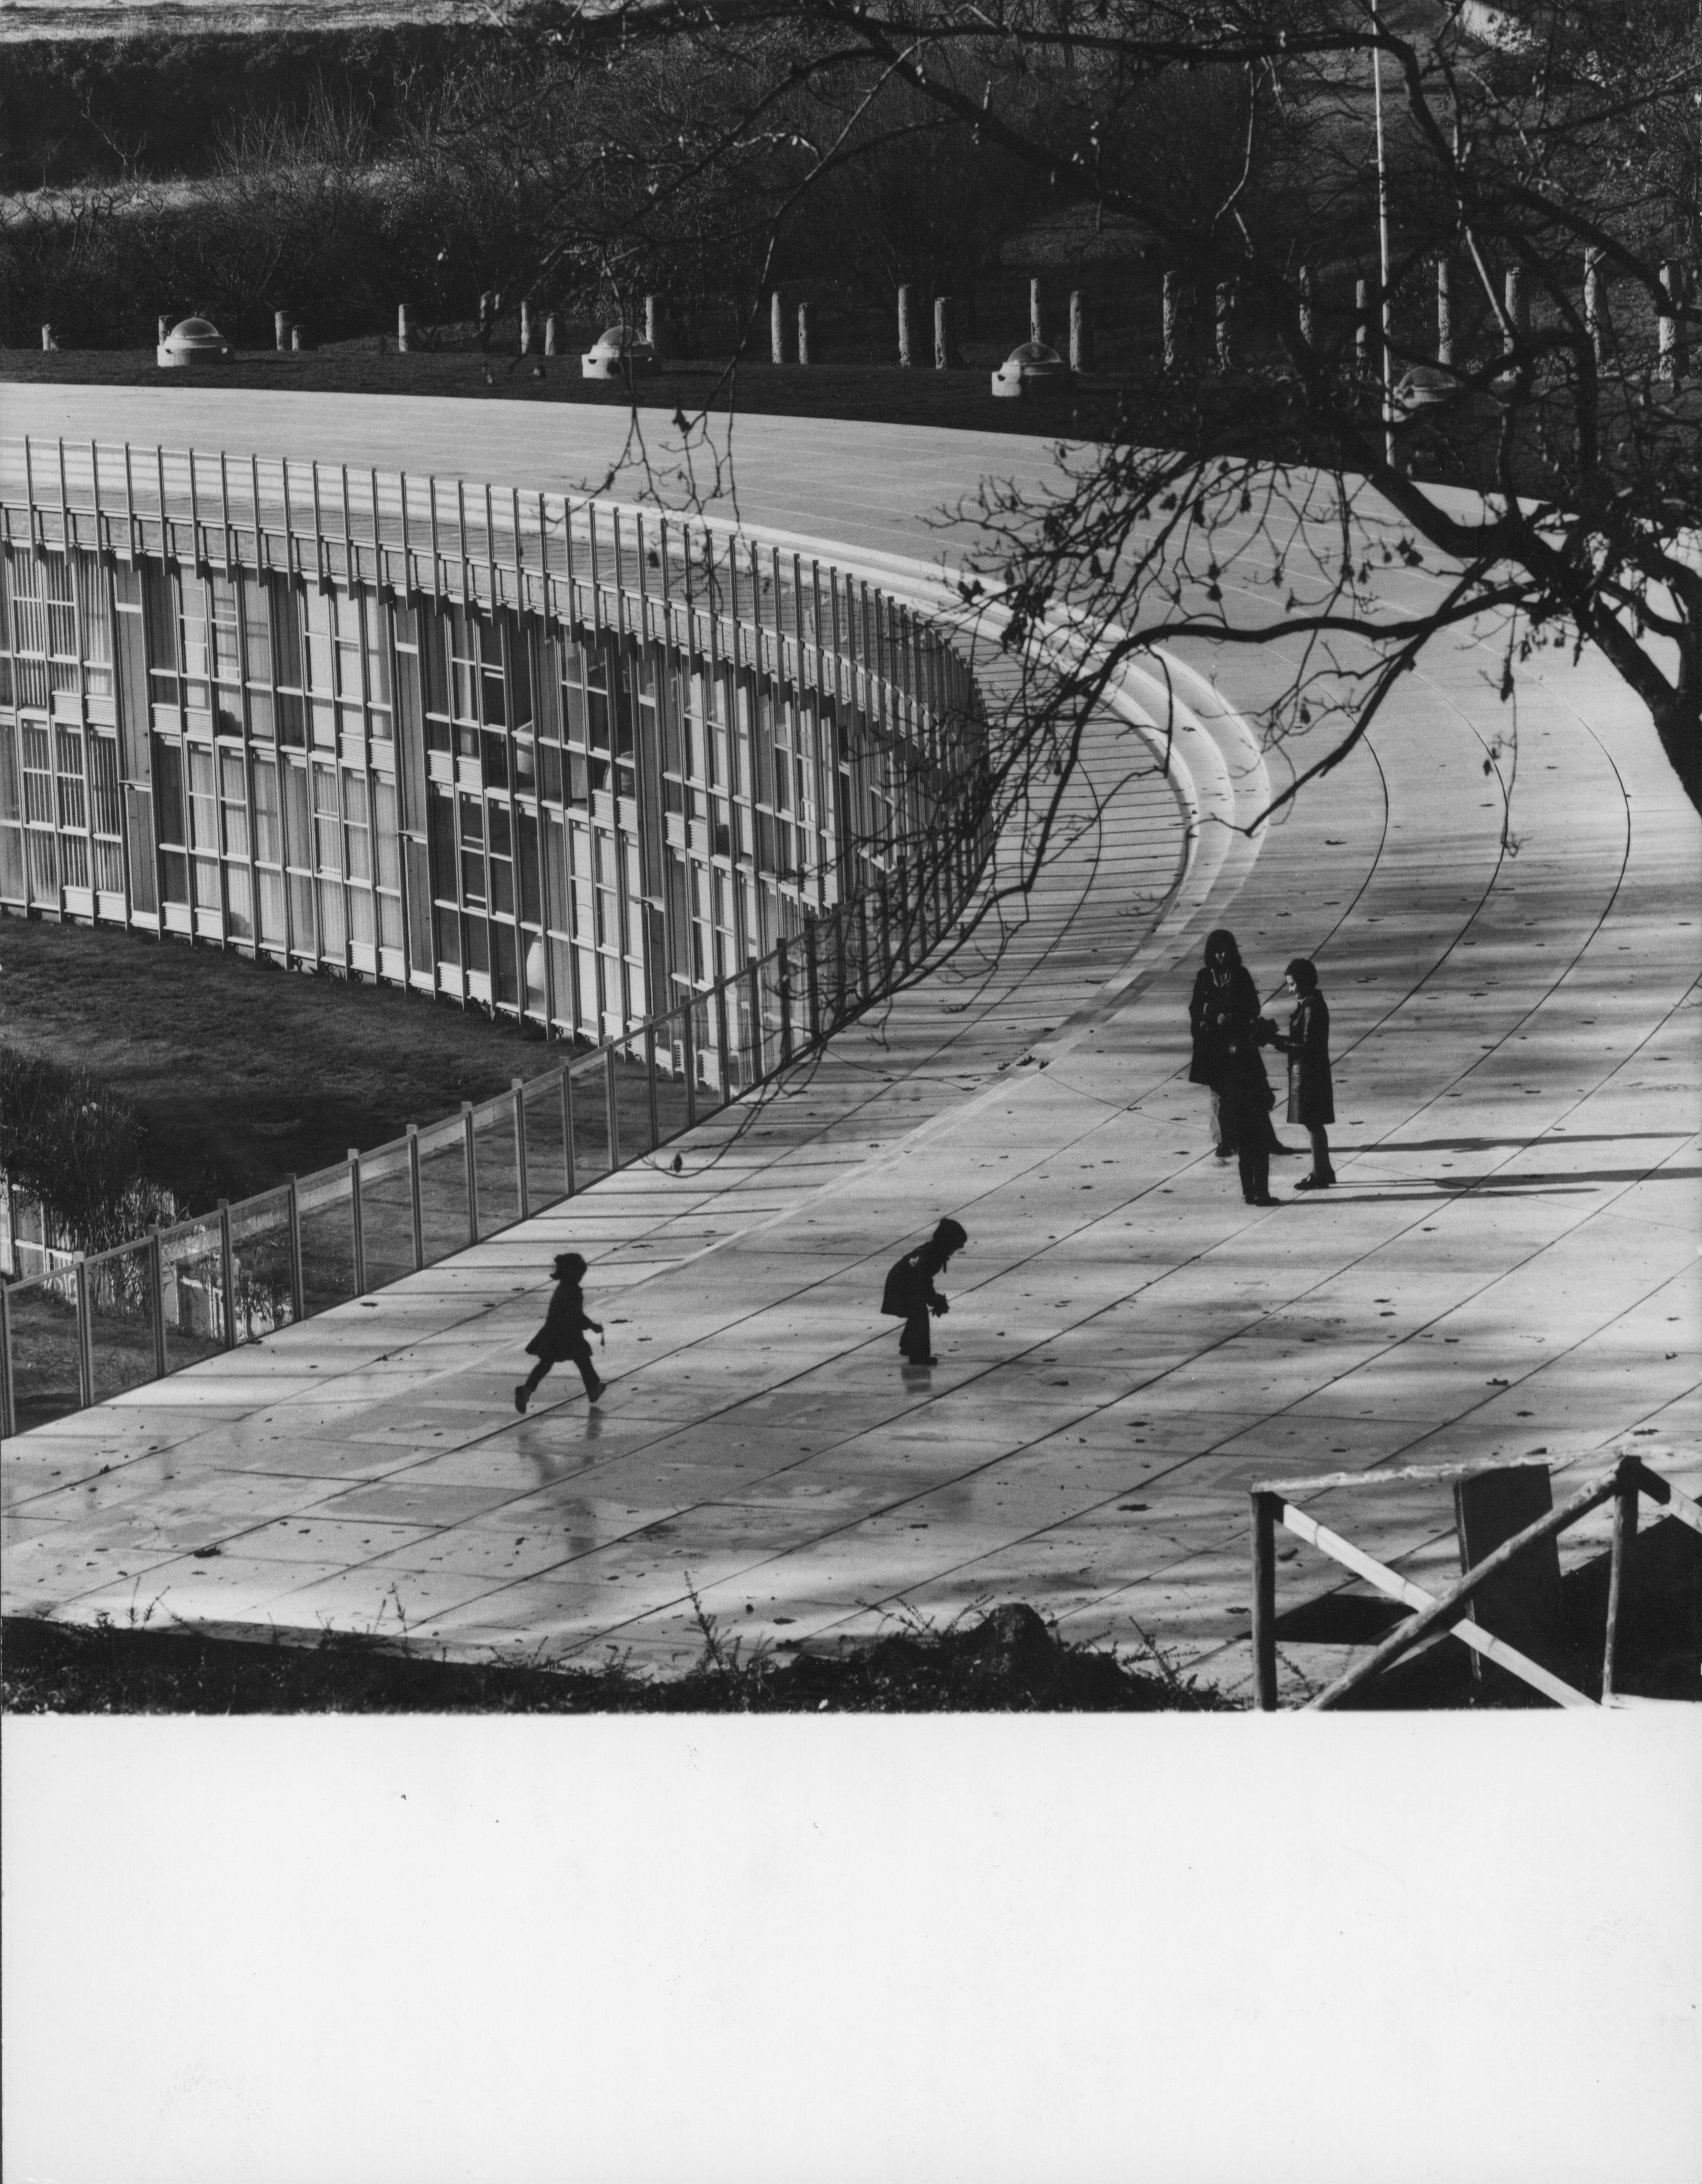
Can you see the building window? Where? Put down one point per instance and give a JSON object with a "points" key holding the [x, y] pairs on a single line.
{"points": [[269, 850], [225, 645], [327, 849], [319, 630], [107, 808], [376, 622], [298, 849], [204, 826], [40, 840], [74, 807], [94, 607], [234, 799], [387, 842], [358, 835], [174, 833]]}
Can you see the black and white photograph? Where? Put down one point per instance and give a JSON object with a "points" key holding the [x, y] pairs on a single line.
{"points": [[849, 911]]}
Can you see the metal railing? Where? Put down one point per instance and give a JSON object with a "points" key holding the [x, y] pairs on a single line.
{"points": [[118, 1318], [697, 583], [1449, 1612]]}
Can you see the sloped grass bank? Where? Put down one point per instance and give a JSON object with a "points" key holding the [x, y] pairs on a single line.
{"points": [[1008, 1661]]}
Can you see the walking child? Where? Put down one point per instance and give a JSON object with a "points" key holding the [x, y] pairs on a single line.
{"points": [[1311, 1094], [910, 1294], [562, 1334]]}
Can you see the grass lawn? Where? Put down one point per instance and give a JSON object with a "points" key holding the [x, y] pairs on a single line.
{"points": [[242, 1073]]}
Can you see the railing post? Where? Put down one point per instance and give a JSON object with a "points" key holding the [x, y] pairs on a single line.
{"points": [[759, 1044], [156, 1275], [1624, 1533], [357, 1223], [85, 1336], [688, 1049], [812, 995], [568, 1128], [9, 1405], [650, 1076], [227, 1273], [610, 1109], [471, 1169], [721, 1040], [1264, 1508], [784, 973], [298, 1285], [415, 1206], [517, 1088]]}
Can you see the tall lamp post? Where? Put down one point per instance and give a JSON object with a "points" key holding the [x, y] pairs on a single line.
{"points": [[1383, 245]]}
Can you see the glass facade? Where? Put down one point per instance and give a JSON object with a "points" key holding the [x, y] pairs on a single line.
{"points": [[551, 792], [565, 820]]}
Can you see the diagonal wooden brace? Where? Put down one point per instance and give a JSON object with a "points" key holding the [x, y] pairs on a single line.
{"points": [[1402, 1589]]}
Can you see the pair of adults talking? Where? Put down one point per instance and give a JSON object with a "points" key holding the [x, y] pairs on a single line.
{"points": [[1230, 1028]]}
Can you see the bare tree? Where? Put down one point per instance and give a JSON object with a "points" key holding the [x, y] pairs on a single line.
{"points": [[1566, 149]]}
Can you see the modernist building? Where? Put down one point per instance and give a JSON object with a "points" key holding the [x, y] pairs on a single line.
{"points": [[570, 763]]}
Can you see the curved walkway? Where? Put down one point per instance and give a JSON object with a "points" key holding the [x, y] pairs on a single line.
{"points": [[1508, 1266]]}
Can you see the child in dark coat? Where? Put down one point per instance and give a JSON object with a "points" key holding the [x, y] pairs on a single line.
{"points": [[562, 1334], [1311, 1093], [910, 1294]]}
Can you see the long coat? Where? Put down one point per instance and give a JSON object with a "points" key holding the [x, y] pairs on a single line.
{"points": [[910, 1284], [1236, 997], [1311, 1094], [562, 1334]]}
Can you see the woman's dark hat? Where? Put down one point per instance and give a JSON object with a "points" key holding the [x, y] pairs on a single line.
{"points": [[950, 1237], [567, 1265]]}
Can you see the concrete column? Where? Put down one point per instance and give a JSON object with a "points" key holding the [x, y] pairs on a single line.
{"points": [[550, 334], [655, 316], [1080, 333], [47, 341], [1036, 312], [776, 328], [1674, 357], [525, 326], [804, 330], [294, 335], [401, 330], [280, 328], [161, 326], [1226, 325], [907, 330], [1173, 322], [946, 356], [485, 315], [1444, 308], [1595, 304], [1362, 323], [1309, 306]]}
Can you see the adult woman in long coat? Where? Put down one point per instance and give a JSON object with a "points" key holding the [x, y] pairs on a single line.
{"points": [[1222, 1012], [1311, 1092]]}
